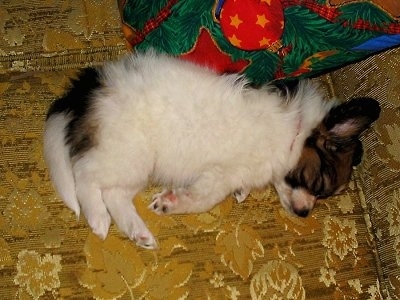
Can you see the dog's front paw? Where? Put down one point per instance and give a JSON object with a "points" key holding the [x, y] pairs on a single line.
{"points": [[241, 194], [164, 202]]}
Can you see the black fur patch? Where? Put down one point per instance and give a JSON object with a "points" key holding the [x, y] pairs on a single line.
{"points": [[286, 88], [76, 104]]}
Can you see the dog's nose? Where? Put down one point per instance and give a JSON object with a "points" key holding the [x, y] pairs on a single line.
{"points": [[302, 212]]}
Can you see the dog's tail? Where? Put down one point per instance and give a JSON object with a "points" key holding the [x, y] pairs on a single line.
{"points": [[57, 157]]}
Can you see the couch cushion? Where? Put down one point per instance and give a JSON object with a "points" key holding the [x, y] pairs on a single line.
{"points": [[237, 251]]}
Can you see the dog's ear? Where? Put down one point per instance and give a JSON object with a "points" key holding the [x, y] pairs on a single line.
{"points": [[348, 120], [358, 153]]}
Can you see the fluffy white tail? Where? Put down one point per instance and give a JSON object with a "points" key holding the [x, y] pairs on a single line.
{"points": [[56, 155]]}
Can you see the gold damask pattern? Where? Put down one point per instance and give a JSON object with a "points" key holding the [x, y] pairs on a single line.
{"points": [[36, 274], [57, 33], [348, 249], [378, 77]]}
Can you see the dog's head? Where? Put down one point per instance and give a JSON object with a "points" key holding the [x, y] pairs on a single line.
{"points": [[328, 156]]}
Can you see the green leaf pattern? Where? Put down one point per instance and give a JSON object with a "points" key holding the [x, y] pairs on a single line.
{"points": [[315, 44]]}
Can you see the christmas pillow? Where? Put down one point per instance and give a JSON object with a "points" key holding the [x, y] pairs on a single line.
{"points": [[267, 39]]}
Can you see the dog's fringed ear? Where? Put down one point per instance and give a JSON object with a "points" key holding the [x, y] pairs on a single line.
{"points": [[350, 119], [358, 153]]}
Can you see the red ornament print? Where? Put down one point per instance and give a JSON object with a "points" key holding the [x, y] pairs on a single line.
{"points": [[252, 24]]}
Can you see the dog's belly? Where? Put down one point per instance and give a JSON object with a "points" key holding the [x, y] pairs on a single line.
{"points": [[234, 169], [132, 156], [132, 168]]}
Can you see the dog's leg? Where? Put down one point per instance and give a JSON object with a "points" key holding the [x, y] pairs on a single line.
{"points": [[90, 200], [119, 204], [207, 191]]}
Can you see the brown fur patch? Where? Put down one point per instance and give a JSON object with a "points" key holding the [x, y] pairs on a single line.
{"points": [[83, 137], [325, 164]]}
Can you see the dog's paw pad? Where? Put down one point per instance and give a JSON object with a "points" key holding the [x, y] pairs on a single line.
{"points": [[163, 202]]}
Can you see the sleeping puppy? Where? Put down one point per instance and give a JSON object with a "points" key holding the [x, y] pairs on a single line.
{"points": [[201, 135]]}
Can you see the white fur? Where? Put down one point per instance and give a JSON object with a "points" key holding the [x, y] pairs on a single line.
{"points": [[201, 135]]}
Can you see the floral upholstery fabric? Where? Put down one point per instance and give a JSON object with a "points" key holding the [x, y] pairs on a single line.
{"points": [[378, 77], [349, 248]]}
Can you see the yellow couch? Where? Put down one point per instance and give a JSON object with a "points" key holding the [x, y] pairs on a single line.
{"points": [[349, 248]]}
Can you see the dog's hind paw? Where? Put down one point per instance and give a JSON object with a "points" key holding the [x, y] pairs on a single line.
{"points": [[146, 241], [100, 225], [139, 233]]}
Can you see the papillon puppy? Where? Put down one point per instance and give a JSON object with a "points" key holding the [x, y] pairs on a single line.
{"points": [[202, 135]]}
